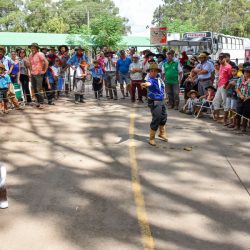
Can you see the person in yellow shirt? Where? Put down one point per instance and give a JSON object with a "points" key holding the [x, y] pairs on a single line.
{"points": [[240, 71]]}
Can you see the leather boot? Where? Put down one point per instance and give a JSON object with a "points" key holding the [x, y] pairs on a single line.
{"points": [[237, 122], [152, 137], [244, 125], [226, 118], [163, 134]]}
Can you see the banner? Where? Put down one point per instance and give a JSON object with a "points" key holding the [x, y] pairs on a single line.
{"points": [[158, 36]]}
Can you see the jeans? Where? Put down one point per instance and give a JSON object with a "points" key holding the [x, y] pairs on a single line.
{"points": [[202, 85], [111, 83], [37, 85], [134, 85], [24, 79], [173, 94], [159, 113]]}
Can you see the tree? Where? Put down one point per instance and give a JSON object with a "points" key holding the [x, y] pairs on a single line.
{"points": [[62, 16], [200, 15]]}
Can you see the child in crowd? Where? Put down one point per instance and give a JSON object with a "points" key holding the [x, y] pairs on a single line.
{"points": [[231, 101], [205, 101], [97, 74], [57, 72], [81, 74], [7, 92], [188, 108], [190, 83], [243, 104], [49, 84], [240, 71], [5, 82]]}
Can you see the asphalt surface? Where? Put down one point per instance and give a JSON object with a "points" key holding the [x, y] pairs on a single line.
{"points": [[74, 183]]}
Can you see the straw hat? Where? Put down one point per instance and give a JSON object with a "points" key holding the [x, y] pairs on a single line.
{"points": [[153, 66], [34, 45], [193, 92], [2, 66]]}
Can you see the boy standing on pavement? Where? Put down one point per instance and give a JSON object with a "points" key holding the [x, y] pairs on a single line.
{"points": [[156, 103], [172, 73]]}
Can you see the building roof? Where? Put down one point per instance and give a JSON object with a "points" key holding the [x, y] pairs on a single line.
{"points": [[50, 39]]}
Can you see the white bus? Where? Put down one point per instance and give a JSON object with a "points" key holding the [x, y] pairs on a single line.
{"points": [[215, 43]]}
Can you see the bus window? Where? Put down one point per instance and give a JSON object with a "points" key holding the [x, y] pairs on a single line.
{"points": [[237, 42], [241, 44], [224, 42], [233, 43], [229, 43]]}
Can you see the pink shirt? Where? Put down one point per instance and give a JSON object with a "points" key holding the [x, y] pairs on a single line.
{"points": [[37, 63], [224, 75]]}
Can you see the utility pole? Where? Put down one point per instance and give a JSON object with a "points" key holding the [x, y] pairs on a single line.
{"points": [[88, 18]]}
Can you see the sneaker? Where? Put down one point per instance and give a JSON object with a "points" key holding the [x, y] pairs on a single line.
{"points": [[3, 198], [82, 101], [76, 102]]}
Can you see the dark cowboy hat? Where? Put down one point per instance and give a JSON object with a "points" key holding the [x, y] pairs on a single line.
{"points": [[65, 46], [247, 69], [79, 47], [150, 54], [34, 45], [205, 52], [192, 92], [161, 55], [153, 66], [3, 48], [2, 66], [52, 47], [210, 87]]}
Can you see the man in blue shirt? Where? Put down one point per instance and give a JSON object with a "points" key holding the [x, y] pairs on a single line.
{"points": [[122, 71], [204, 70]]}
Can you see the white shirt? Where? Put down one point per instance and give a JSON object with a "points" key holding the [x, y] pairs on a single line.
{"points": [[108, 65], [56, 70], [138, 75], [79, 72]]}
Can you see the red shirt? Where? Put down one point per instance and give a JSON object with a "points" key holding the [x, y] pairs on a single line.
{"points": [[224, 75]]}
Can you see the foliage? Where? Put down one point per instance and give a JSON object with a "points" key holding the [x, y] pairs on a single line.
{"points": [[107, 30], [95, 20], [224, 16]]}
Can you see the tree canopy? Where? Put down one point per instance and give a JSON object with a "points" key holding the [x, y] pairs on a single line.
{"points": [[99, 18], [224, 16]]}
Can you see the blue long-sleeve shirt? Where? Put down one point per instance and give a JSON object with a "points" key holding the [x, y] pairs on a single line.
{"points": [[75, 60]]}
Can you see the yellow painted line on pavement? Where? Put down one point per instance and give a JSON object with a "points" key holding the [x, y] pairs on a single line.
{"points": [[148, 241]]}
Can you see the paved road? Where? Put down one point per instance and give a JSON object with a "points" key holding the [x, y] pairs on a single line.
{"points": [[73, 181]]}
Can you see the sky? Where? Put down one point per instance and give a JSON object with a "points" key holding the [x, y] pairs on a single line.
{"points": [[139, 13]]}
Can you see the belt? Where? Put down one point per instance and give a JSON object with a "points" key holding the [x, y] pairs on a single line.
{"points": [[206, 79], [150, 99]]}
